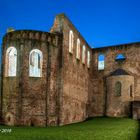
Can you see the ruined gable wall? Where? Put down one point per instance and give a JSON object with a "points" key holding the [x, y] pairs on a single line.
{"points": [[75, 75]]}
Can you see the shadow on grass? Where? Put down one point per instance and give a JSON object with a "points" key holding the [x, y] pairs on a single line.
{"points": [[138, 136]]}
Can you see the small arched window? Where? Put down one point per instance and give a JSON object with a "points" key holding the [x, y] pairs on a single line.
{"points": [[78, 49], [11, 62], [120, 57], [118, 88], [83, 54], [101, 62], [88, 59], [71, 40], [35, 63]]}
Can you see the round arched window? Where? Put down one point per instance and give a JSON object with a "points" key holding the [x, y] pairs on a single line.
{"points": [[35, 63], [11, 62]]}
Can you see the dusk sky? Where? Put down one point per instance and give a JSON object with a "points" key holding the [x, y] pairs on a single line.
{"points": [[101, 22]]}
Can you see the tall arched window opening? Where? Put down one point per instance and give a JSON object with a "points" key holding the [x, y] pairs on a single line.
{"points": [[11, 62], [88, 59], [35, 63], [71, 40], [101, 62], [84, 54], [78, 49]]}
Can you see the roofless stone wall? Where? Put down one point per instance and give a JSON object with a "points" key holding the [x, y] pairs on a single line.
{"points": [[29, 100], [131, 65], [75, 74], [68, 90]]}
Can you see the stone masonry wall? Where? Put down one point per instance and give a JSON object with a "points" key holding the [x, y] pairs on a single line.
{"points": [[131, 65], [119, 106], [68, 90], [75, 75], [31, 100]]}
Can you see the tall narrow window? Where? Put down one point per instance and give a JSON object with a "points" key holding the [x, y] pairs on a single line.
{"points": [[35, 63], [101, 62], [11, 62], [71, 40], [131, 91], [78, 49], [88, 59], [83, 54], [118, 88]]}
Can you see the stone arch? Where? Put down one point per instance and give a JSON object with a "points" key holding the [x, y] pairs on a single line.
{"points": [[9, 119]]}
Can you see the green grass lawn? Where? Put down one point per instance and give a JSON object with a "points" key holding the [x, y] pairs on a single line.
{"points": [[94, 129]]}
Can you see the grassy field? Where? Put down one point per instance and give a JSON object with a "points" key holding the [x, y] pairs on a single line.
{"points": [[94, 129]]}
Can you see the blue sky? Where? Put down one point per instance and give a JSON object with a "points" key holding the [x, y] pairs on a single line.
{"points": [[101, 22], [101, 57]]}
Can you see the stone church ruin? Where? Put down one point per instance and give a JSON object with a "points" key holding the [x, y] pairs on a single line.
{"points": [[55, 78]]}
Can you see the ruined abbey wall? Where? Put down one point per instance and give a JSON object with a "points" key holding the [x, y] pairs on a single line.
{"points": [[99, 77], [76, 78], [31, 100], [68, 90]]}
